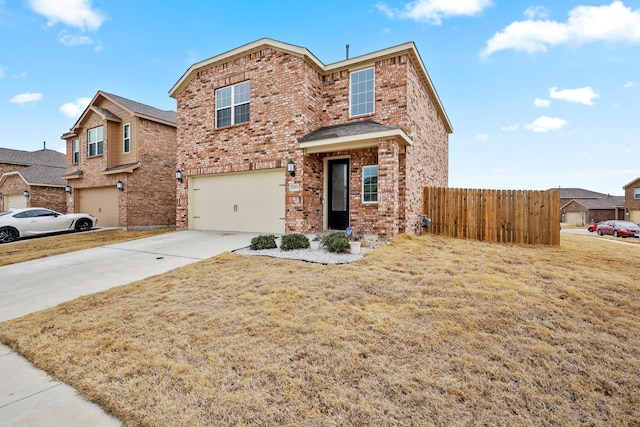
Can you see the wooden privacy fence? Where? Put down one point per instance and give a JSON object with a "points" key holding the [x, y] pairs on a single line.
{"points": [[507, 216]]}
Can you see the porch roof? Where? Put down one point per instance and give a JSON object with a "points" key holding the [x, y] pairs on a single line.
{"points": [[351, 136]]}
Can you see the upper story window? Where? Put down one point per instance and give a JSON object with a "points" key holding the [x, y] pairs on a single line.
{"points": [[361, 92], [126, 138], [232, 104], [96, 141], [370, 184], [76, 150], [636, 193]]}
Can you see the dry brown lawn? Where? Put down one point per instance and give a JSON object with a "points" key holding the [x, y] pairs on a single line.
{"points": [[29, 249], [423, 331]]}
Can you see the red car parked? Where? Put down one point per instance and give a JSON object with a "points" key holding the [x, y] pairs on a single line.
{"points": [[618, 229], [594, 227]]}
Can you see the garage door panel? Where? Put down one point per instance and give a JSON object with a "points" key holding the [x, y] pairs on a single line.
{"points": [[15, 201], [100, 202], [250, 201]]}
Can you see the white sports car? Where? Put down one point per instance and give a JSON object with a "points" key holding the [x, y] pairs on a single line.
{"points": [[27, 222]]}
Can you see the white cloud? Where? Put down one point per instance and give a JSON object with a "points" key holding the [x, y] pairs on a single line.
{"points": [[433, 11], [25, 98], [1, 72], [482, 137], [585, 24], [74, 109], [541, 102], [584, 95], [534, 12], [511, 128], [74, 13], [630, 84], [544, 124], [70, 40]]}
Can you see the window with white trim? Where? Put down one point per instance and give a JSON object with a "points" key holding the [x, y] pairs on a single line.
{"points": [[126, 138], [370, 184], [636, 193], [232, 104], [96, 141], [76, 150], [361, 92]]}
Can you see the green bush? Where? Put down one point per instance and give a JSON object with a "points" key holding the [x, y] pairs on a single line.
{"points": [[336, 242], [294, 241], [263, 242]]}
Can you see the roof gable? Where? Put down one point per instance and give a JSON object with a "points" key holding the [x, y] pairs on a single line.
{"points": [[632, 183], [138, 109], [302, 52]]}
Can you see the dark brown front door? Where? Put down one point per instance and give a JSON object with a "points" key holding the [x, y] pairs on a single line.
{"points": [[338, 194]]}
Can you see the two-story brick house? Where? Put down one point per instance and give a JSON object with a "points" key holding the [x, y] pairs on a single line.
{"points": [[121, 158], [632, 201], [270, 139]]}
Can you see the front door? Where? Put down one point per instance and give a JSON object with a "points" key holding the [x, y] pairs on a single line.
{"points": [[338, 194]]}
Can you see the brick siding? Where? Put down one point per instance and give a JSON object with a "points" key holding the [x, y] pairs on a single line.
{"points": [[290, 98]]}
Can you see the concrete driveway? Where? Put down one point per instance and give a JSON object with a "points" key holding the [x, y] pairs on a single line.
{"points": [[28, 396]]}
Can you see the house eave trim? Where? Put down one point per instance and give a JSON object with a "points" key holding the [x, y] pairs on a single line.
{"points": [[126, 169], [355, 142]]}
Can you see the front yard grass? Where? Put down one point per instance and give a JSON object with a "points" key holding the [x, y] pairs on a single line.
{"points": [[35, 248], [423, 331]]}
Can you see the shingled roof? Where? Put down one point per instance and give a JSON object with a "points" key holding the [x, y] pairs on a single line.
{"points": [[144, 110], [33, 158], [602, 203], [349, 129]]}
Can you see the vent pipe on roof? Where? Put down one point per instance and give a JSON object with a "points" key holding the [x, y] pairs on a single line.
{"points": [[44, 145], [347, 51]]}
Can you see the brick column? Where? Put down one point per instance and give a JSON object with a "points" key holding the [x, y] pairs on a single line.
{"points": [[388, 194]]}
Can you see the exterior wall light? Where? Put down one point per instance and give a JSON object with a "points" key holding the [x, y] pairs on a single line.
{"points": [[291, 168], [120, 185], [26, 193], [67, 189], [179, 175], [0, 196]]}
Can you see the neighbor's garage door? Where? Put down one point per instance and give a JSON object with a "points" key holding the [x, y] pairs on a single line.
{"points": [[248, 201], [575, 218], [100, 202], [635, 216], [14, 201]]}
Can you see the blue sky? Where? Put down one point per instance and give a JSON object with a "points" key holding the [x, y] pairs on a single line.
{"points": [[541, 94]]}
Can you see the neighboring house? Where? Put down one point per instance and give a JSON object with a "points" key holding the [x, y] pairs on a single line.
{"points": [[580, 207], [32, 178], [632, 201], [270, 139], [121, 158]]}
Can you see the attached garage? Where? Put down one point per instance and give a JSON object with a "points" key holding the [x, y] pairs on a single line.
{"points": [[575, 218], [248, 201], [101, 202], [14, 201]]}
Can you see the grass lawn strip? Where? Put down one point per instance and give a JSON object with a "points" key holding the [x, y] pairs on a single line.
{"points": [[423, 331], [36, 248]]}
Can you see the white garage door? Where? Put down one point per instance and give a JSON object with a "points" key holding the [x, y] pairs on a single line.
{"points": [[248, 201], [14, 201], [635, 216], [574, 218], [100, 202]]}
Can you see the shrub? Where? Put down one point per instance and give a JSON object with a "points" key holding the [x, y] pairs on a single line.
{"points": [[294, 241], [263, 242], [337, 242]]}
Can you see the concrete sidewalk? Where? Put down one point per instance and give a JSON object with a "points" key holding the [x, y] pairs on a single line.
{"points": [[28, 396]]}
